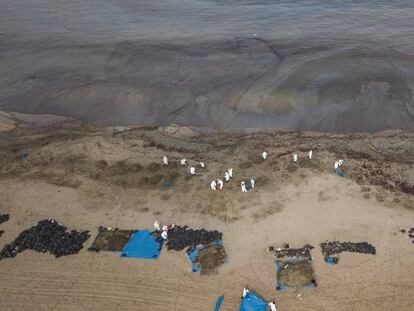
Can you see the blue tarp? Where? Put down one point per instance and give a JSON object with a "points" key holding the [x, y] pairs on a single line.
{"points": [[218, 303], [338, 171], [142, 245], [331, 260], [251, 302]]}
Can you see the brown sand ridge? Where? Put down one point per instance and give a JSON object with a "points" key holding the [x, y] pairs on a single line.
{"points": [[85, 176]]}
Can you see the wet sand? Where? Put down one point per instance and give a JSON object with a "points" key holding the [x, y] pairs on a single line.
{"points": [[85, 177]]}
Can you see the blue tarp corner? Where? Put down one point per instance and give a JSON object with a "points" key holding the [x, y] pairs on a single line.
{"points": [[251, 302], [192, 255], [332, 260], [142, 245], [218, 303]]}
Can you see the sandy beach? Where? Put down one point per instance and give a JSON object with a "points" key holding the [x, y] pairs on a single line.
{"points": [[85, 176]]}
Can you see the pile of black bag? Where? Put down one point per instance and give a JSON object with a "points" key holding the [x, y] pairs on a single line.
{"points": [[335, 247], [3, 218], [182, 237], [47, 236], [411, 234], [286, 251]]}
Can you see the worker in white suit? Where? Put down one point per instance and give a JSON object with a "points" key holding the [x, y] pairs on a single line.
{"points": [[295, 157], [213, 185], [227, 176], [165, 160], [219, 184], [192, 171], [183, 162], [264, 155], [243, 187], [338, 168], [272, 306], [310, 154], [230, 170]]}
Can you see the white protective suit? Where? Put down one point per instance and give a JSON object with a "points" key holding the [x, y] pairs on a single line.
{"points": [[183, 162], [310, 155], [213, 185], [295, 157], [165, 160], [202, 164], [272, 306], [252, 183], [243, 187], [164, 235], [157, 226], [192, 171], [220, 184], [264, 155], [230, 170], [227, 176]]}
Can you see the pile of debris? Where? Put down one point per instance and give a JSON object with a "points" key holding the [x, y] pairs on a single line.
{"points": [[410, 233], [47, 236], [208, 258], [4, 218], [335, 247], [182, 237], [295, 273], [110, 239], [286, 251]]}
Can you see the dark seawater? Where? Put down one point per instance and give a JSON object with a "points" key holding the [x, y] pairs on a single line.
{"points": [[329, 65]]}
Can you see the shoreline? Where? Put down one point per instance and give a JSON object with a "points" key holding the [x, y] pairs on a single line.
{"points": [[8, 118]]}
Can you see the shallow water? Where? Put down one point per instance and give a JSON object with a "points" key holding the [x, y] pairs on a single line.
{"points": [[322, 65]]}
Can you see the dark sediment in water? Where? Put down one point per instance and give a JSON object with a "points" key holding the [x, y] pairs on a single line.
{"points": [[297, 65], [243, 83]]}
